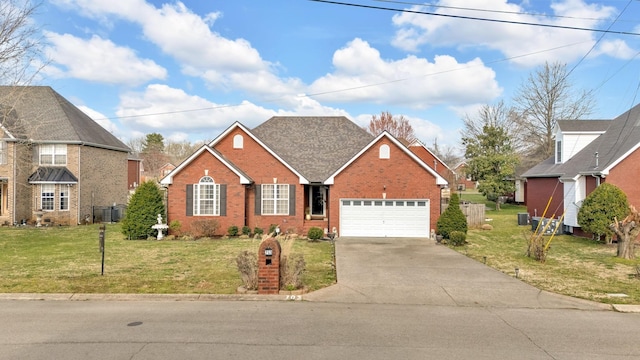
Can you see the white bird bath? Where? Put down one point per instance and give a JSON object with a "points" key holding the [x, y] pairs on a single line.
{"points": [[160, 227]]}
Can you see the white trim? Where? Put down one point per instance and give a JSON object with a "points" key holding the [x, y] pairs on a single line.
{"points": [[439, 179], [168, 180], [419, 143], [235, 125]]}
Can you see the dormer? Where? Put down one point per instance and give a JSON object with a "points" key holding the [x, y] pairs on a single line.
{"points": [[571, 136]]}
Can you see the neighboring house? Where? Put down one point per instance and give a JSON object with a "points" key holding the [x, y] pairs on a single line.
{"points": [[54, 159], [462, 180], [134, 172], [165, 170], [588, 153], [288, 167]]}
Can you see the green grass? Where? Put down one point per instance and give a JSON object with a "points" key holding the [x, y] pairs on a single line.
{"points": [[68, 260], [574, 266]]}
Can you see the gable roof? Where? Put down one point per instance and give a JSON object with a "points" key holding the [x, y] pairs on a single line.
{"points": [[50, 118], [439, 179], [603, 153], [316, 146], [244, 178]]}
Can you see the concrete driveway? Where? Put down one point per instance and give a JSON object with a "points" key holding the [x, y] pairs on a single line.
{"points": [[417, 271]]}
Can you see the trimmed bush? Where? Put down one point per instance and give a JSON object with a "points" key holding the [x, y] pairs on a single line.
{"points": [[246, 230], [258, 231], [204, 228], [452, 219], [232, 230], [142, 212], [175, 227], [457, 238], [315, 233]]}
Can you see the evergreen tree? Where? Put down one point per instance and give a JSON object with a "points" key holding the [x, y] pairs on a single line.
{"points": [[452, 219], [142, 212], [600, 208]]}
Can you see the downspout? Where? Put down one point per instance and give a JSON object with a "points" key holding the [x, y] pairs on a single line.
{"points": [[78, 203], [15, 182]]}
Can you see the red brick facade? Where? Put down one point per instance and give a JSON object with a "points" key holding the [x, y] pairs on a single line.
{"points": [[368, 176]]}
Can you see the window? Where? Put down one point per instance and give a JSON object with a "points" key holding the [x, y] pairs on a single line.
{"points": [[47, 196], [53, 154], [558, 152], [385, 152], [64, 197], [275, 199], [3, 152], [238, 142], [206, 197]]}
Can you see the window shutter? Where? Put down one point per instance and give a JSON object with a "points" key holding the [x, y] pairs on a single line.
{"points": [[223, 199], [189, 200], [258, 201], [36, 157], [292, 199]]}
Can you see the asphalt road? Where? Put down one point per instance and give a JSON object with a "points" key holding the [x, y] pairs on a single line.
{"points": [[304, 330]]}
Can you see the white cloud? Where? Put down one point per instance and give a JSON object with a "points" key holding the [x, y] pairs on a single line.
{"points": [[616, 49], [188, 38], [362, 75], [99, 60], [542, 43]]}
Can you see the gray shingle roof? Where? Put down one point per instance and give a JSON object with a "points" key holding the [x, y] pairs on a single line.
{"points": [[584, 125], [53, 175], [49, 117], [316, 146], [622, 136]]}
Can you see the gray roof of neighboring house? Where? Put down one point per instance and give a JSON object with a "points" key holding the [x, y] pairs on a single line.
{"points": [[316, 146], [622, 135], [584, 125], [49, 117], [55, 174]]}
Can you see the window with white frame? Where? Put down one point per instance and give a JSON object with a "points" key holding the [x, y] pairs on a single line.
{"points": [[47, 197], [64, 197], [206, 197], [53, 154], [275, 199], [238, 141]]}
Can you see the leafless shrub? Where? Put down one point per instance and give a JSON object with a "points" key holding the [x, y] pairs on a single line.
{"points": [[248, 267], [292, 268], [204, 228]]}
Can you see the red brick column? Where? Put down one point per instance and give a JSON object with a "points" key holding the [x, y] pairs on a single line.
{"points": [[269, 267]]}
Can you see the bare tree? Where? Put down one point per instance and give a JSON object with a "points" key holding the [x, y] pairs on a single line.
{"points": [[448, 154], [627, 231], [397, 126], [497, 116], [20, 42], [136, 144], [544, 98], [179, 151]]}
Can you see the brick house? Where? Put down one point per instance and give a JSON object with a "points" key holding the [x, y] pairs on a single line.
{"points": [[300, 172], [588, 153], [54, 159]]}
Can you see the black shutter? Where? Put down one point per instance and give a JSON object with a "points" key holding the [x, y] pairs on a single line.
{"points": [[189, 200], [292, 199], [223, 199], [258, 202], [36, 155]]}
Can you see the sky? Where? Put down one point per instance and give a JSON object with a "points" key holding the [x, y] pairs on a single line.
{"points": [[188, 70]]}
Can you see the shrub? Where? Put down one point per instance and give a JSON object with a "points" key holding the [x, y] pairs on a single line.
{"points": [[315, 233], [247, 263], [175, 227], [142, 212], [292, 268], [457, 238], [599, 209], [272, 228], [452, 219], [258, 231], [246, 230], [232, 230], [204, 228]]}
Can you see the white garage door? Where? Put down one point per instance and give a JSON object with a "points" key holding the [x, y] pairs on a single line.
{"points": [[384, 218]]}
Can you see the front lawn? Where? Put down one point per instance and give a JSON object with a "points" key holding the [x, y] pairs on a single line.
{"points": [[68, 260], [574, 266]]}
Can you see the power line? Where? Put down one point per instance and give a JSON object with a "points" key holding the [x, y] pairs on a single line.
{"points": [[476, 18]]}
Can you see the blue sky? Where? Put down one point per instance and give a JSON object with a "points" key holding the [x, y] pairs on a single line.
{"points": [[189, 69]]}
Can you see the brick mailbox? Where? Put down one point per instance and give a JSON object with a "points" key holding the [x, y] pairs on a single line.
{"points": [[269, 267]]}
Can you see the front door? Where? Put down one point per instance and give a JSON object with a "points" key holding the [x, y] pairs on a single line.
{"points": [[317, 199]]}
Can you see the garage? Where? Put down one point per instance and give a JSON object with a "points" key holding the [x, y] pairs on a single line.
{"points": [[384, 217]]}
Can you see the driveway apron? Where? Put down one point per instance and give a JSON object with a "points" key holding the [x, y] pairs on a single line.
{"points": [[418, 271]]}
